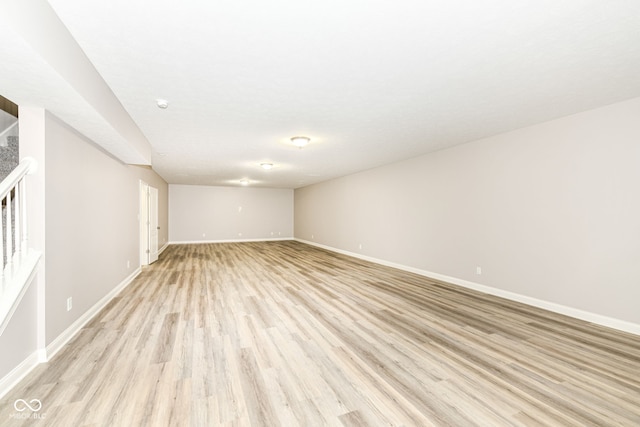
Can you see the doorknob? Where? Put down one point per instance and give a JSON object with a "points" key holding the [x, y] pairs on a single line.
{"points": [[158, 228]]}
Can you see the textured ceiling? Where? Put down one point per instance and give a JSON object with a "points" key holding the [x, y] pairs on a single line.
{"points": [[370, 82]]}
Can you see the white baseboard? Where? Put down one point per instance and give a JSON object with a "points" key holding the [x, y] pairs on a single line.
{"points": [[75, 327], [44, 355], [195, 242], [18, 373], [598, 319], [165, 246]]}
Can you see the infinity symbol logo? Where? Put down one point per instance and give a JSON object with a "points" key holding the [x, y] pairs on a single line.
{"points": [[22, 405]]}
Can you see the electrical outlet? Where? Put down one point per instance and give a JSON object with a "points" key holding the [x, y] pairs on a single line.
{"points": [[360, 246], [128, 264], [69, 303], [478, 270]]}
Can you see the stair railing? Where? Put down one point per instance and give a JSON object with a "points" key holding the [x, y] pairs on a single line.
{"points": [[14, 251]]}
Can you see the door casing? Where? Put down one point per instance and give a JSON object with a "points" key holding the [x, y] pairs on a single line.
{"points": [[149, 228]]}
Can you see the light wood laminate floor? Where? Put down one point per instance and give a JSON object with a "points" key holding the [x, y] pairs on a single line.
{"points": [[285, 334]]}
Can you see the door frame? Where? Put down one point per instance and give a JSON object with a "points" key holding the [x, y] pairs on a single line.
{"points": [[145, 234]]}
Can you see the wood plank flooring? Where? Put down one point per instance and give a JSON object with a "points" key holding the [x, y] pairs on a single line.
{"points": [[285, 334]]}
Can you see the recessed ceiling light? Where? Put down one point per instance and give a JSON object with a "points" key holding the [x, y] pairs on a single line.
{"points": [[266, 166], [162, 103], [244, 181], [300, 141]]}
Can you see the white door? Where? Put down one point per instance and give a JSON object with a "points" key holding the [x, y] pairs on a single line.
{"points": [[144, 223], [149, 228], [153, 224]]}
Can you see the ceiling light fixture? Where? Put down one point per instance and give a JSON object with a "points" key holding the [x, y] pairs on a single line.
{"points": [[300, 141], [162, 103], [244, 181], [266, 166]]}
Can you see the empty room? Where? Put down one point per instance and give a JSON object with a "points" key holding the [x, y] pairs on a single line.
{"points": [[295, 213]]}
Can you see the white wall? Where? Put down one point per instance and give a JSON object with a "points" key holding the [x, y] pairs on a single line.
{"points": [[550, 212], [207, 213]]}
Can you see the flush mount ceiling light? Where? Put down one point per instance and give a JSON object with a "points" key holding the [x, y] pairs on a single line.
{"points": [[162, 103], [266, 166], [244, 181], [300, 141]]}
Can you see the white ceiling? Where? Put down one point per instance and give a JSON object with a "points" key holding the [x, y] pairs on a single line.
{"points": [[370, 82]]}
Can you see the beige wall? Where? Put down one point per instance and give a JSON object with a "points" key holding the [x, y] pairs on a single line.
{"points": [[550, 212], [92, 228], [23, 337], [208, 213], [84, 216], [19, 340]]}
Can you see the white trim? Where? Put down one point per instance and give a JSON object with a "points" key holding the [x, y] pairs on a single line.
{"points": [[143, 236], [44, 355], [75, 327], [27, 166], [16, 375], [166, 245], [587, 316], [18, 283], [195, 242]]}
